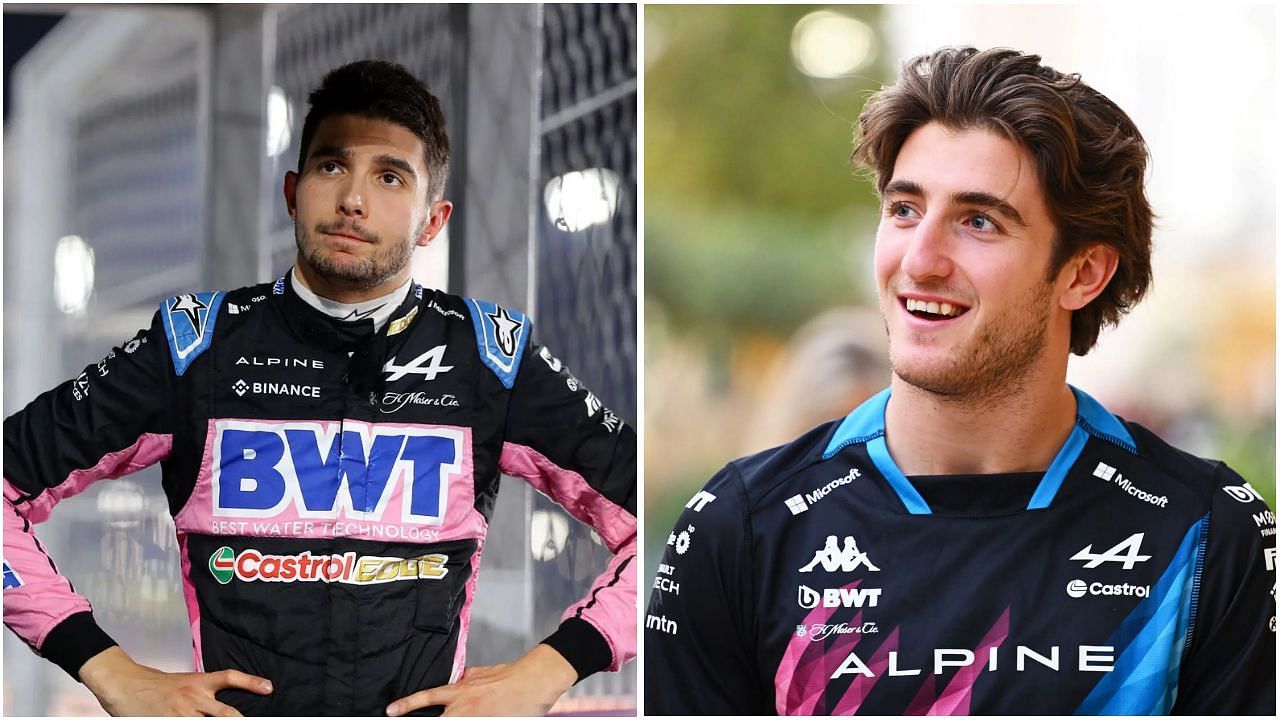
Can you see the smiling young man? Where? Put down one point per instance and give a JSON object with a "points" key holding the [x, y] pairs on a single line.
{"points": [[331, 444], [980, 537]]}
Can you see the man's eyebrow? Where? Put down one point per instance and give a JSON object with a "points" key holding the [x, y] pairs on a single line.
{"points": [[989, 201], [905, 187], [400, 164], [342, 153], [331, 151], [969, 197]]}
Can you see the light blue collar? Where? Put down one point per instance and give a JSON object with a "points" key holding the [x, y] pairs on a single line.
{"points": [[866, 425]]}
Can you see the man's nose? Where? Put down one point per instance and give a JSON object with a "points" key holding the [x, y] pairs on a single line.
{"points": [[928, 251], [351, 200]]}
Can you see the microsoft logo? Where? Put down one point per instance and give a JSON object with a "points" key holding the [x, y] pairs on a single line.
{"points": [[796, 504]]}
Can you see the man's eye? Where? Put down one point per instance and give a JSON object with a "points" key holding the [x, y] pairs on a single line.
{"points": [[982, 223], [328, 166], [899, 210], [391, 179]]}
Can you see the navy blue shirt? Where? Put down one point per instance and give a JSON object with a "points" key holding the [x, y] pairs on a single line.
{"points": [[816, 579]]}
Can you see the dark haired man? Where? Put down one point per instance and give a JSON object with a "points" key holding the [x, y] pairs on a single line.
{"points": [[331, 444], [980, 537]]}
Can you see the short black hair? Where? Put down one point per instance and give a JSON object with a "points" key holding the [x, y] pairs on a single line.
{"points": [[381, 90]]}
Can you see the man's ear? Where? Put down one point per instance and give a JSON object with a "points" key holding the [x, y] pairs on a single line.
{"points": [[440, 212], [291, 193], [1086, 275]]}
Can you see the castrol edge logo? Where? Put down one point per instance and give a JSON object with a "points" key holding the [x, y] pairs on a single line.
{"points": [[253, 566]]}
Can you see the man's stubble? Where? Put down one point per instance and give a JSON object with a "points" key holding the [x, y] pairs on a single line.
{"points": [[361, 274], [994, 365]]}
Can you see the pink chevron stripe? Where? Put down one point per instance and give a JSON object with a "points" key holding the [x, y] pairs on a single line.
{"points": [[861, 686], [954, 700], [807, 665], [193, 605], [924, 699]]}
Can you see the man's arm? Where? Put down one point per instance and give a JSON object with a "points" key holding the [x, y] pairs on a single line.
{"points": [[1229, 666], [104, 423], [109, 421], [699, 648], [574, 450]]}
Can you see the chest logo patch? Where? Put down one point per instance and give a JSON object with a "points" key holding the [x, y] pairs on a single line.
{"points": [[833, 557], [327, 471]]}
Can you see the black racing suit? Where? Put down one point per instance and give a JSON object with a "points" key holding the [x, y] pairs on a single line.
{"points": [[816, 579], [331, 488]]}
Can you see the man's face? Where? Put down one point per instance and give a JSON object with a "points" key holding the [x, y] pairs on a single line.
{"points": [[961, 259], [360, 205]]}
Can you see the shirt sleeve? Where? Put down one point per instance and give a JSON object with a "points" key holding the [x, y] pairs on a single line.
{"points": [[574, 450], [700, 654], [1230, 664], [104, 423]]}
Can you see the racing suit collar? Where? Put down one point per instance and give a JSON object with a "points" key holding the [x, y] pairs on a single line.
{"points": [[379, 310], [317, 327]]}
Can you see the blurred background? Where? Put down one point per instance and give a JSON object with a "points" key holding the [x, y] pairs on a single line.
{"points": [[145, 148], [760, 306]]}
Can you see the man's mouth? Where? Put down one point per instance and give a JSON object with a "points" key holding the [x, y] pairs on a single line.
{"points": [[345, 233], [933, 310]]}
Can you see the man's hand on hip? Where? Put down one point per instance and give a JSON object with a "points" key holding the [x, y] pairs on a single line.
{"points": [[126, 688], [528, 686]]}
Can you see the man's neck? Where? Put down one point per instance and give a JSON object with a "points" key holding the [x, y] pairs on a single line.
{"points": [[928, 434], [344, 294]]}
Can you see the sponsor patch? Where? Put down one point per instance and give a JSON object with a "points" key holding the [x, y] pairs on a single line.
{"points": [[398, 326], [356, 471], [1109, 474], [834, 557], [1124, 552], [1242, 493], [188, 324], [348, 568], [500, 338], [700, 500]]}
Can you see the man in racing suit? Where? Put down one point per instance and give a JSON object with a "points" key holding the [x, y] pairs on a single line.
{"points": [[330, 445], [980, 537]]}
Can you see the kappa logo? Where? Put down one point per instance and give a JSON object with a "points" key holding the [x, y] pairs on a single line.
{"points": [[832, 557], [327, 471], [1124, 552], [434, 357], [1242, 493]]}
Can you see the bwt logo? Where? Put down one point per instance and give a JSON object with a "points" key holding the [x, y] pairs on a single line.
{"points": [[261, 470]]}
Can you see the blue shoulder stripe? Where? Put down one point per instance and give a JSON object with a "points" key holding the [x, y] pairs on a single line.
{"points": [[188, 324], [1144, 680], [500, 337], [1100, 423]]}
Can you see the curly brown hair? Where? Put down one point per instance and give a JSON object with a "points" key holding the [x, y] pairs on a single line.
{"points": [[1090, 157]]}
